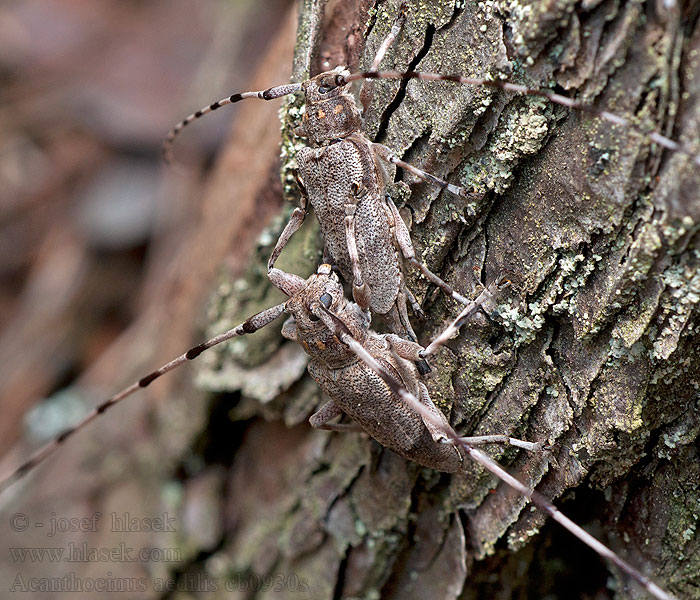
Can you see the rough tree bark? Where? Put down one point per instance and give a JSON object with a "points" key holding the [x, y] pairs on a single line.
{"points": [[591, 349]]}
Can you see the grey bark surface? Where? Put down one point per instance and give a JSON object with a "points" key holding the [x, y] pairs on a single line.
{"points": [[591, 350]]}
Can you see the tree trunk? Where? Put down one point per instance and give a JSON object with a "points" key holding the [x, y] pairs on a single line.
{"points": [[590, 350]]}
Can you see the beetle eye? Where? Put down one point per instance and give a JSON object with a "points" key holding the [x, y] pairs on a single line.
{"points": [[323, 89], [326, 300]]}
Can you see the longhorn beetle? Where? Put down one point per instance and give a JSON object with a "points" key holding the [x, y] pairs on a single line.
{"points": [[348, 340], [368, 377], [591, 216], [341, 174]]}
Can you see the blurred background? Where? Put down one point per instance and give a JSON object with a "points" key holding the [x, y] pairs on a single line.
{"points": [[107, 256], [92, 222]]}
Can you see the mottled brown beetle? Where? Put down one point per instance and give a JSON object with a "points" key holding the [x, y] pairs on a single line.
{"points": [[371, 378], [343, 175]]}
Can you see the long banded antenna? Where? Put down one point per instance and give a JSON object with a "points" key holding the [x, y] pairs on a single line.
{"points": [[251, 325], [507, 86], [268, 94]]}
